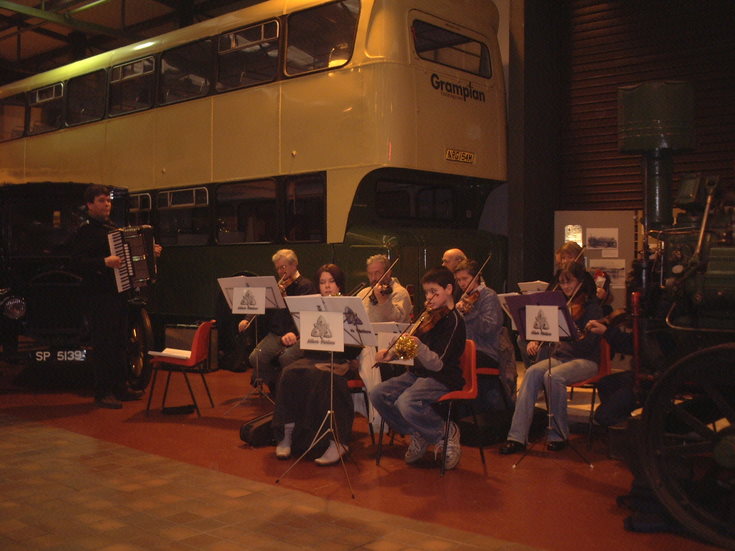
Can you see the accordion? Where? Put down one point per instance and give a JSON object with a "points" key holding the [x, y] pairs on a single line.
{"points": [[134, 246]]}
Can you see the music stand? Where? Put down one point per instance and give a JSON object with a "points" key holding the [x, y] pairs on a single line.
{"points": [[550, 329], [323, 313], [237, 292]]}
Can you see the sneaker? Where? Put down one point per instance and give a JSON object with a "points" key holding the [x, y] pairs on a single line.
{"points": [[332, 455], [416, 449], [454, 450], [108, 402], [283, 448]]}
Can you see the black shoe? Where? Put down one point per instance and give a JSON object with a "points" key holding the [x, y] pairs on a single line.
{"points": [[557, 445], [108, 402], [129, 395], [511, 446]]}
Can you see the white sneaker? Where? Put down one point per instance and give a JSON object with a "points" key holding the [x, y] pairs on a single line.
{"points": [[283, 448], [454, 450], [332, 455], [416, 449]]}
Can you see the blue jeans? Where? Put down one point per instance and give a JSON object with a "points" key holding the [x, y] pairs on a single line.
{"points": [[562, 374], [406, 404]]}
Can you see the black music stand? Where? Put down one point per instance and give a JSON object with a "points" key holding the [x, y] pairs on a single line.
{"points": [[568, 331], [273, 300], [357, 330]]}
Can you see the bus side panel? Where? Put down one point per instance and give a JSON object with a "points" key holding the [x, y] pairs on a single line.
{"points": [[246, 133], [477, 146], [186, 159], [67, 155], [328, 120], [131, 154], [12, 162]]}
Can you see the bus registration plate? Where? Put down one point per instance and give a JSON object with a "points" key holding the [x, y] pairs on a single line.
{"points": [[459, 156]]}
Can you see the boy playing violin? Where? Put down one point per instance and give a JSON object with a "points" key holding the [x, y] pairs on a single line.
{"points": [[407, 402]]}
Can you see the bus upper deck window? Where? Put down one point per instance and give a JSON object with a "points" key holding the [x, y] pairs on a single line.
{"points": [[131, 86], [12, 117], [247, 56], [185, 72], [85, 98], [321, 37], [46, 106], [448, 48]]}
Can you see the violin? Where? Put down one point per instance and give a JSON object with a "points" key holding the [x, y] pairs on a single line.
{"points": [[429, 319], [284, 283], [576, 305], [465, 304], [383, 288]]}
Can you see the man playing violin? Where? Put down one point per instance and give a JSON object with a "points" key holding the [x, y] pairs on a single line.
{"points": [[571, 362], [281, 340], [386, 299], [407, 402]]}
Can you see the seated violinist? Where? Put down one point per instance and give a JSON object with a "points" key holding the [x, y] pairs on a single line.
{"points": [[480, 308], [406, 402], [483, 318], [571, 361], [281, 340], [303, 394]]}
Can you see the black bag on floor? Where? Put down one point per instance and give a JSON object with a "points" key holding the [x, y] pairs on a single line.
{"points": [[257, 432]]}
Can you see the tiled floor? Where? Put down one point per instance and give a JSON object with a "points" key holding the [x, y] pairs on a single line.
{"points": [[65, 491], [74, 477]]}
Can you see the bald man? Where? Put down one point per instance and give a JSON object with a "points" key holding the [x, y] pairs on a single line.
{"points": [[451, 259]]}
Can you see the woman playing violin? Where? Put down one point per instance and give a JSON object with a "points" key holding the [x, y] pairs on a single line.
{"points": [[406, 402], [571, 361], [480, 308]]}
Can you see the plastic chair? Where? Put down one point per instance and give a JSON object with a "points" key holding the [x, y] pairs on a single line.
{"points": [[197, 361], [603, 369], [468, 364], [357, 386]]}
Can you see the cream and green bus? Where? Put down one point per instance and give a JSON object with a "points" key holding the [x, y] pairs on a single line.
{"points": [[336, 128]]}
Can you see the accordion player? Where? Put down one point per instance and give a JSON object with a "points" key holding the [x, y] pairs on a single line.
{"points": [[135, 246]]}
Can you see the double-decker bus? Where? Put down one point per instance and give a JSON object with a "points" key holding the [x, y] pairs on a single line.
{"points": [[335, 128]]}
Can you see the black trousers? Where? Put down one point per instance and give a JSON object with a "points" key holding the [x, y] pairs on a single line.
{"points": [[108, 317]]}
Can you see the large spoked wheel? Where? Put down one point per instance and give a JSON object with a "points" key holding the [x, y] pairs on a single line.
{"points": [[139, 341], [689, 442]]}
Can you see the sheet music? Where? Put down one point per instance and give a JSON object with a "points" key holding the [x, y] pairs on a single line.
{"points": [[357, 327], [273, 297]]}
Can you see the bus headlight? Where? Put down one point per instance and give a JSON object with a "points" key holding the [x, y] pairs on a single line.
{"points": [[14, 308]]}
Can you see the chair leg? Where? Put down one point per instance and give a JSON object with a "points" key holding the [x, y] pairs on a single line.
{"points": [[206, 387], [367, 411], [443, 468], [165, 390], [477, 426], [191, 392], [150, 391], [592, 413], [379, 451]]}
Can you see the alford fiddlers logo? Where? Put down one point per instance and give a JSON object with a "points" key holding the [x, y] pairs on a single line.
{"points": [[455, 90]]}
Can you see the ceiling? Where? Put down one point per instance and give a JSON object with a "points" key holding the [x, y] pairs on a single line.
{"points": [[38, 35]]}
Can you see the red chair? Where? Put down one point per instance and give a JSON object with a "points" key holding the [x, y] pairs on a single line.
{"points": [[603, 369], [357, 386], [468, 364], [197, 361]]}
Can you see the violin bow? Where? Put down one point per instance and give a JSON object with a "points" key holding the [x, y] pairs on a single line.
{"points": [[372, 289], [477, 275]]}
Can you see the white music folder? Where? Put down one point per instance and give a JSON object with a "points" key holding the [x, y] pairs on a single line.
{"points": [[273, 297]]}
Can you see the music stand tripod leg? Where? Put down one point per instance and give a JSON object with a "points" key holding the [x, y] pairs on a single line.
{"points": [[319, 436], [551, 420]]}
